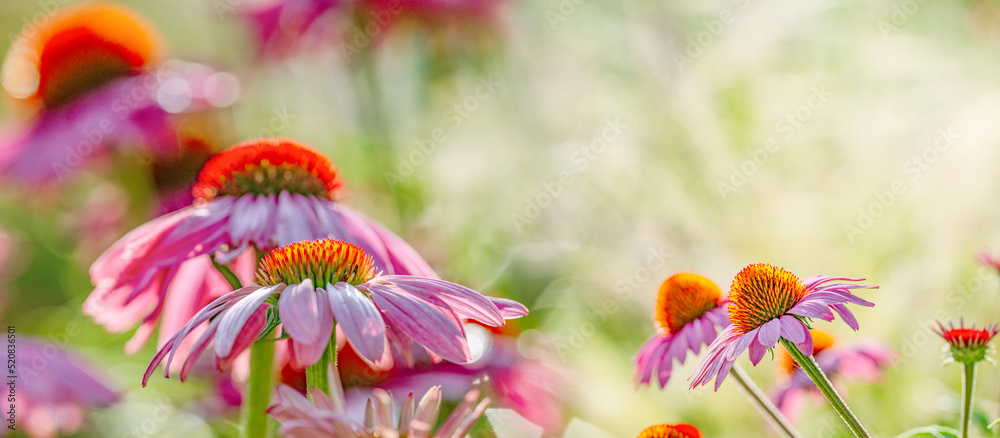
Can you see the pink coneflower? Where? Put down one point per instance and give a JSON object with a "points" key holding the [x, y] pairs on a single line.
{"points": [[769, 303], [90, 77], [327, 416], [254, 197], [968, 344], [317, 283], [865, 361], [53, 389], [688, 309], [670, 431]]}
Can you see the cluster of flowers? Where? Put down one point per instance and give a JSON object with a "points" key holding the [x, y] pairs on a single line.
{"points": [[261, 261]]}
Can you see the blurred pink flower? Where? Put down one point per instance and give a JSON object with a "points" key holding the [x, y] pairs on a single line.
{"points": [[54, 387], [317, 283], [280, 26], [254, 197], [326, 415], [689, 307], [88, 76], [862, 361], [529, 386]]}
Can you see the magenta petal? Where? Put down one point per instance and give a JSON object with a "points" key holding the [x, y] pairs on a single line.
{"points": [[792, 329], [236, 317], [510, 309], [769, 333], [723, 372], [465, 302], [427, 324], [305, 315], [198, 348], [757, 352], [359, 319], [247, 336], [404, 258], [741, 343], [846, 315], [806, 346]]}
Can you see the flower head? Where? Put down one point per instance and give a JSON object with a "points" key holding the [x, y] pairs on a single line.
{"points": [[688, 309], [268, 167], [967, 344], [670, 431], [402, 308], [89, 80], [77, 50], [259, 195], [327, 414], [769, 303]]}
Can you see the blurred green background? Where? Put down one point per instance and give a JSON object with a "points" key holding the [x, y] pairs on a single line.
{"points": [[621, 142]]}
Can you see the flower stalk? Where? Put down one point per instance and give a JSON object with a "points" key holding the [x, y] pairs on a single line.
{"points": [[968, 388], [811, 368], [762, 403], [259, 385], [318, 374]]}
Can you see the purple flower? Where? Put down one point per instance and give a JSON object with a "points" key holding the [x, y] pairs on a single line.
{"points": [[769, 303], [689, 307], [316, 284], [256, 196]]}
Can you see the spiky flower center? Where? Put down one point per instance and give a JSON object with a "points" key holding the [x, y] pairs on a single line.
{"points": [[268, 166], [968, 344], [322, 261], [821, 341], [760, 293], [683, 298], [78, 49], [670, 431]]}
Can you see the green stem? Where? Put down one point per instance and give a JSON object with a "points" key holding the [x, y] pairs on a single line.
{"points": [[968, 387], [259, 389], [812, 369], [317, 374], [228, 274], [762, 403]]}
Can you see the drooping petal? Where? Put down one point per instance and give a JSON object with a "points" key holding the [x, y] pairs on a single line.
{"points": [[427, 324], [236, 317], [510, 309], [306, 316], [359, 319], [769, 333], [463, 301]]}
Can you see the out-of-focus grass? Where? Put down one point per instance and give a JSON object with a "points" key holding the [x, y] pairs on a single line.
{"points": [[487, 208]]}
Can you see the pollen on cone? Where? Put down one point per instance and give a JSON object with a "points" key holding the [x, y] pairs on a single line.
{"points": [[760, 293], [322, 261]]}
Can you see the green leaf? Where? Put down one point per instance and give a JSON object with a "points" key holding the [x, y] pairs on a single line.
{"points": [[994, 424], [272, 322], [935, 430]]}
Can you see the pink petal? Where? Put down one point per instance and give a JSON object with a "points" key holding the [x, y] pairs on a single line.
{"points": [[234, 319], [510, 309], [463, 301], [359, 319], [305, 315], [427, 324]]}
